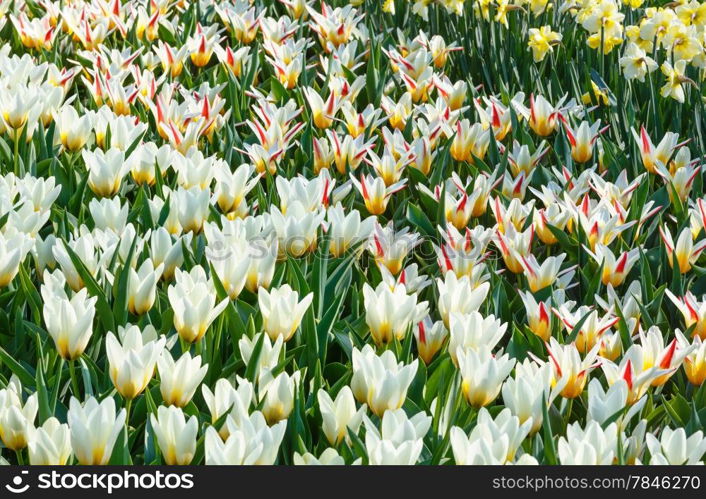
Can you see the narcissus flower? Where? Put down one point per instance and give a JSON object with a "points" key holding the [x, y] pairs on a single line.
{"points": [[541, 41]]}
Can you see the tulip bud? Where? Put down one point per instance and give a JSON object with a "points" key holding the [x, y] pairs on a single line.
{"points": [[94, 429], [142, 287], [50, 444], [132, 360], [282, 311], [178, 380], [176, 437], [69, 321], [340, 415], [16, 418]]}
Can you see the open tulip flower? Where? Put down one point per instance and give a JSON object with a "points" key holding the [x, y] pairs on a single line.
{"points": [[347, 232]]}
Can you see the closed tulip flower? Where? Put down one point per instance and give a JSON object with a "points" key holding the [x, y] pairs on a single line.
{"points": [[538, 318], [693, 310], [132, 359], [50, 444], [105, 170], [346, 230], [400, 440], [615, 270], [339, 415], [430, 338], [591, 445], [474, 331], [94, 429], [675, 448], [251, 442], [225, 398], [14, 246], [483, 374], [278, 396], [458, 295], [69, 321], [166, 250], [109, 214], [526, 393], [282, 311], [232, 187], [142, 287], [380, 381], [328, 457], [695, 361], [389, 313], [73, 131], [570, 371], [193, 299], [179, 380], [604, 404], [16, 418], [503, 434], [192, 205], [269, 355], [685, 252], [176, 436]]}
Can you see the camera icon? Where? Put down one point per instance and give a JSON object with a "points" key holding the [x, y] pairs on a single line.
{"points": [[17, 487]]}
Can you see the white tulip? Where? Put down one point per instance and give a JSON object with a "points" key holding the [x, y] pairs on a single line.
{"points": [[176, 437], [282, 311], [132, 359], [94, 429], [339, 415], [179, 380]]}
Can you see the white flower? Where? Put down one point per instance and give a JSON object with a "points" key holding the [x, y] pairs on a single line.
{"points": [[94, 429], [282, 311], [176, 437], [50, 444], [674, 447], [178, 380], [133, 358], [339, 415], [380, 381]]}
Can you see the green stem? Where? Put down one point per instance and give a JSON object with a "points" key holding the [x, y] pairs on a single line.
{"points": [[16, 155], [74, 379], [128, 406], [20, 459]]}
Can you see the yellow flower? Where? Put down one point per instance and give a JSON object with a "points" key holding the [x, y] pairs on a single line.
{"points": [[541, 41]]}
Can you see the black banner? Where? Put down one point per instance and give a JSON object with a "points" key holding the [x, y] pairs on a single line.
{"points": [[231, 481]]}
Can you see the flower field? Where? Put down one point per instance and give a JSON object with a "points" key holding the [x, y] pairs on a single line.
{"points": [[365, 232]]}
